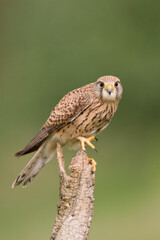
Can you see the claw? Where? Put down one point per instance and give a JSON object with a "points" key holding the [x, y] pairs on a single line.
{"points": [[96, 139], [93, 163], [84, 140]]}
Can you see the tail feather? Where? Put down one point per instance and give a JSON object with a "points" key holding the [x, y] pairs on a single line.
{"points": [[34, 166]]}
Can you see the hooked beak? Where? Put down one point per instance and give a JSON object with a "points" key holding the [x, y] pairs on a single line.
{"points": [[109, 88]]}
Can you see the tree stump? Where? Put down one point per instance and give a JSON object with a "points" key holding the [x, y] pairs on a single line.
{"points": [[76, 198]]}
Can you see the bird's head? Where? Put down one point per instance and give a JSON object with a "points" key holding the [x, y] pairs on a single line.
{"points": [[110, 88]]}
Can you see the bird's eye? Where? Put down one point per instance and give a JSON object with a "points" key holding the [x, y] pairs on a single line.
{"points": [[101, 84], [116, 84]]}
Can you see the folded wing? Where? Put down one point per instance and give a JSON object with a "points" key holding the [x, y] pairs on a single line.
{"points": [[68, 109]]}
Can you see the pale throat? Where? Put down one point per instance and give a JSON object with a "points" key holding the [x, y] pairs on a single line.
{"points": [[108, 98]]}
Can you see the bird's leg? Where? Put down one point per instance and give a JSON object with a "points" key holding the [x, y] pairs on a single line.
{"points": [[84, 140], [93, 163]]}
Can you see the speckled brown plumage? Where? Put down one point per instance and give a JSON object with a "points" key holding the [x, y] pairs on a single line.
{"points": [[82, 112]]}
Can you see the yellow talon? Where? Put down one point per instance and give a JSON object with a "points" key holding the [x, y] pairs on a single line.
{"points": [[93, 163], [84, 140]]}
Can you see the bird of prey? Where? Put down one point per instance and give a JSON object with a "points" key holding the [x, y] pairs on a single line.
{"points": [[75, 120]]}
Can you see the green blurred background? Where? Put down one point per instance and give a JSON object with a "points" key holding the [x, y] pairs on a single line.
{"points": [[48, 48]]}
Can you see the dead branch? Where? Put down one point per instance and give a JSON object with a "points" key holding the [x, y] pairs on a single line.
{"points": [[76, 198]]}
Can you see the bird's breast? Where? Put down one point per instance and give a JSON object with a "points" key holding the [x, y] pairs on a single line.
{"points": [[91, 121]]}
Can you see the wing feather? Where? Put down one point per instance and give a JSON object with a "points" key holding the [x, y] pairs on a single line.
{"points": [[66, 111]]}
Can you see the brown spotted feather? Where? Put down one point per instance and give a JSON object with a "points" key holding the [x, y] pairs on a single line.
{"points": [[83, 112], [70, 106]]}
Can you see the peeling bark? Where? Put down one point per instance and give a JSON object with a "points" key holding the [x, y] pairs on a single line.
{"points": [[76, 198]]}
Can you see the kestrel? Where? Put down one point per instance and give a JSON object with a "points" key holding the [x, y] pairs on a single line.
{"points": [[75, 120]]}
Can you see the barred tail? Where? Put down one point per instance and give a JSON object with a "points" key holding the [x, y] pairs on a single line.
{"points": [[34, 166]]}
